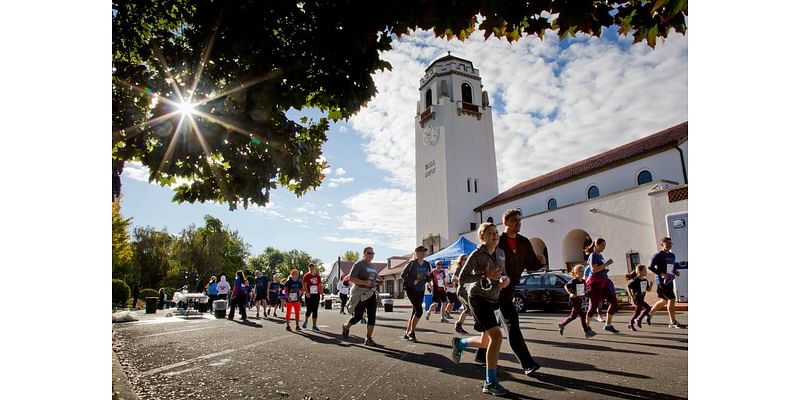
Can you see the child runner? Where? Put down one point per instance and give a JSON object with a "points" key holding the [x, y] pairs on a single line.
{"points": [[450, 291], [461, 292], [438, 290], [484, 275], [638, 287], [274, 300], [293, 290], [577, 290]]}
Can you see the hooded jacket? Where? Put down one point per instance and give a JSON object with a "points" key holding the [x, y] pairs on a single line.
{"points": [[223, 287]]}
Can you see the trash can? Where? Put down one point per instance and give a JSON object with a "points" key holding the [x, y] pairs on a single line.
{"points": [[387, 301], [202, 307], [150, 305], [220, 306], [328, 304]]}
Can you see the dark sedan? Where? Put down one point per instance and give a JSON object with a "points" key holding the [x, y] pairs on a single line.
{"points": [[542, 290]]}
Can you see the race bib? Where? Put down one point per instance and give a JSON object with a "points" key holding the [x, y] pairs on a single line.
{"points": [[314, 289], [440, 282], [671, 269], [293, 296], [579, 289], [643, 285]]}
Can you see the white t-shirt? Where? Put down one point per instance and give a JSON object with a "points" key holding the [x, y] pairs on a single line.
{"points": [[342, 288]]}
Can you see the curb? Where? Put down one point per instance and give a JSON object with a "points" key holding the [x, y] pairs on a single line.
{"points": [[120, 385]]}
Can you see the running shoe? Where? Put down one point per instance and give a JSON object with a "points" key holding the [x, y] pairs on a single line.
{"points": [[428, 317], [288, 328], [315, 328], [494, 389], [444, 320], [610, 328], [598, 318], [639, 323], [460, 329], [406, 336], [370, 342], [305, 324], [590, 334], [297, 328], [412, 337], [345, 331], [455, 354], [631, 327], [676, 325], [560, 329], [648, 319]]}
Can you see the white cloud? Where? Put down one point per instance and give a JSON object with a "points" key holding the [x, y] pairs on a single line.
{"points": [[388, 214], [352, 240], [136, 171], [340, 171], [308, 209], [339, 181]]}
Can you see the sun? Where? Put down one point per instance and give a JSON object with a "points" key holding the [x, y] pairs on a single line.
{"points": [[186, 108]]}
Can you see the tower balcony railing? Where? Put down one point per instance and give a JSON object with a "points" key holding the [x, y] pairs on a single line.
{"points": [[469, 109], [426, 116]]}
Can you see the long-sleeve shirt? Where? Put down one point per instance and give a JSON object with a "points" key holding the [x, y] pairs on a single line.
{"points": [[478, 263], [520, 256]]}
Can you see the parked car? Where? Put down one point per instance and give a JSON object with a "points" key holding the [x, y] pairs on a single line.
{"points": [[542, 290]]}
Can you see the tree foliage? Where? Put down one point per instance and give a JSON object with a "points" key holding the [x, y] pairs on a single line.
{"points": [[351, 255], [152, 251], [120, 292], [274, 261], [248, 63], [212, 249], [121, 250]]}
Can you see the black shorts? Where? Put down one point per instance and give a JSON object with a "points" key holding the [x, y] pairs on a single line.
{"points": [[483, 312], [452, 298], [666, 292], [439, 296], [261, 296]]}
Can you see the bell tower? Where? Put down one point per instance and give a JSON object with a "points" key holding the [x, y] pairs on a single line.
{"points": [[456, 169]]}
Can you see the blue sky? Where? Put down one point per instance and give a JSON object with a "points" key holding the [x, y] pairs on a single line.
{"points": [[554, 103]]}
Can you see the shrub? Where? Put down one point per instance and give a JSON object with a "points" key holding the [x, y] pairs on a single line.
{"points": [[120, 292], [145, 293]]}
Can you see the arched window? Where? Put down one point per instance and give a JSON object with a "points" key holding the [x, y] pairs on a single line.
{"points": [[428, 98], [592, 192], [644, 177], [552, 204], [466, 93]]}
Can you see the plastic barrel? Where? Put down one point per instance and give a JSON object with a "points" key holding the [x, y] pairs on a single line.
{"points": [[428, 299], [328, 304], [150, 305]]}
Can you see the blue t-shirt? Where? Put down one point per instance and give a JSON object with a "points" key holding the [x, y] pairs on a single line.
{"points": [[294, 287], [212, 289], [420, 273], [596, 258], [261, 284]]}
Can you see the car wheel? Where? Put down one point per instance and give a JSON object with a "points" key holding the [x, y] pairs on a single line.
{"points": [[519, 303]]}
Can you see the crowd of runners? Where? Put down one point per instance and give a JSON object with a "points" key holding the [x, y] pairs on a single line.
{"points": [[482, 282]]}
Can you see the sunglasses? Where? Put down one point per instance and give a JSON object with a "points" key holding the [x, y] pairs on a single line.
{"points": [[370, 253]]}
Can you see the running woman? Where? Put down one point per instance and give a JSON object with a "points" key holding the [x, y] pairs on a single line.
{"points": [[461, 292], [638, 287], [485, 275], [598, 286], [364, 294], [343, 287], [312, 287], [415, 276], [293, 290], [576, 289]]}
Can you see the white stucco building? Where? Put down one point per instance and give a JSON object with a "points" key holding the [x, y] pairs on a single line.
{"points": [[623, 195]]}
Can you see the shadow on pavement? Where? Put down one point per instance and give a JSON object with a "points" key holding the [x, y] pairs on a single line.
{"points": [[605, 389], [571, 344]]}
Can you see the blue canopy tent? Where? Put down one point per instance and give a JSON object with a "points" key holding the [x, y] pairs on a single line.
{"points": [[452, 252]]}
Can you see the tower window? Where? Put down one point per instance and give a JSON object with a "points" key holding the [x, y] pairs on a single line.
{"points": [[644, 177], [466, 93], [476, 185], [552, 204], [593, 192], [468, 185], [428, 98]]}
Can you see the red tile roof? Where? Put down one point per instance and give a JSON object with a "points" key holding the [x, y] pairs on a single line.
{"points": [[670, 137]]}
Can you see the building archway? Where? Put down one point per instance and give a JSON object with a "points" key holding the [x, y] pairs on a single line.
{"points": [[541, 249], [572, 248]]}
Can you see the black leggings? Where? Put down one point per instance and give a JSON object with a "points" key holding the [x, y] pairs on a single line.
{"points": [[312, 305], [415, 298], [370, 305]]}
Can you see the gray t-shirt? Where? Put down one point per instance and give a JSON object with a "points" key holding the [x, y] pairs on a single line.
{"points": [[366, 271]]}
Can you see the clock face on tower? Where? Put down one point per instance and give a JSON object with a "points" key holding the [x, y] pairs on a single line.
{"points": [[430, 136]]}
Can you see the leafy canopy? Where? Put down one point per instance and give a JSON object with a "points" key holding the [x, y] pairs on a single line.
{"points": [[201, 89]]}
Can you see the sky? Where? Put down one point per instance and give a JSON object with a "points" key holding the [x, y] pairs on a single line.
{"points": [[553, 103]]}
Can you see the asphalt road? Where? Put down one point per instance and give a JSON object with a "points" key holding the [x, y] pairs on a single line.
{"points": [[207, 358]]}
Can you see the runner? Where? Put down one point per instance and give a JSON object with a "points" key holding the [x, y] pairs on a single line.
{"points": [[461, 292], [576, 289], [293, 290], [238, 297], [261, 284], [312, 287], [274, 300], [638, 287], [415, 276], [484, 275], [438, 291], [597, 285], [364, 295], [663, 266], [343, 287], [450, 291]]}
